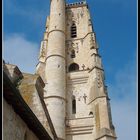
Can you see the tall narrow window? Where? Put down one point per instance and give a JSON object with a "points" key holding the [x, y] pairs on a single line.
{"points": [[73, 54], [25, 136], [74, 106], [73, 31]]}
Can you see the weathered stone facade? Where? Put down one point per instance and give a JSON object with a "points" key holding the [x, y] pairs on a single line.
{"points": [[70, 65], [14, 127]]}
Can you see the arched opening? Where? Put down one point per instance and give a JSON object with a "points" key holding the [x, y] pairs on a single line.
{"points": [[90, 113], [73, 67], [73, 105], [73, 54], [73, 31]]}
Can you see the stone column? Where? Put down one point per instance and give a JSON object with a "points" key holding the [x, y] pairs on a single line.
{"points": [[55, 67]]}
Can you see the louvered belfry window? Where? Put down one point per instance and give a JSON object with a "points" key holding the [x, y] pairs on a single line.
{"points": [[73, 31]]}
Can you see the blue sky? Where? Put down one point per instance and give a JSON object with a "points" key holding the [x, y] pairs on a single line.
{"points": [[115, 24]]}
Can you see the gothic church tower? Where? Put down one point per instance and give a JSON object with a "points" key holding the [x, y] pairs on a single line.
{"points": [[69, 64]]}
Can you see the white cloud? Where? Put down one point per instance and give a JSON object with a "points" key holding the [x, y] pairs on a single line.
{"points": [[123, 102], [124, 118], [21, 52]]}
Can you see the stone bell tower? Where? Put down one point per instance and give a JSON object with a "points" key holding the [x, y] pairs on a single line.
{"points": [[70, 65]]}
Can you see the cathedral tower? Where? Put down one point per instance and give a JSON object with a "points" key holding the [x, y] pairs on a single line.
{"points": [[70, 65]]}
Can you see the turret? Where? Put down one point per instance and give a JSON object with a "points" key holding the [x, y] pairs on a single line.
{"points": [[55, 67]]}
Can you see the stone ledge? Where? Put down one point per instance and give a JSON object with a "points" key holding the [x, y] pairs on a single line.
{"points": [[83, 133], [105, 132], [80, 118]]}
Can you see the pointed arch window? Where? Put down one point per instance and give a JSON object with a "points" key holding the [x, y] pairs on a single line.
{"points": [[73, 105], [73, 31]]}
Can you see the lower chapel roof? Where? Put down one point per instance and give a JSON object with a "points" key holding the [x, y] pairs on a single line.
{"points": [[13, 97]]}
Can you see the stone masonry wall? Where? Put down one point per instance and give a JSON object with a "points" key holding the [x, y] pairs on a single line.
{"points": [[14, 128]]}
